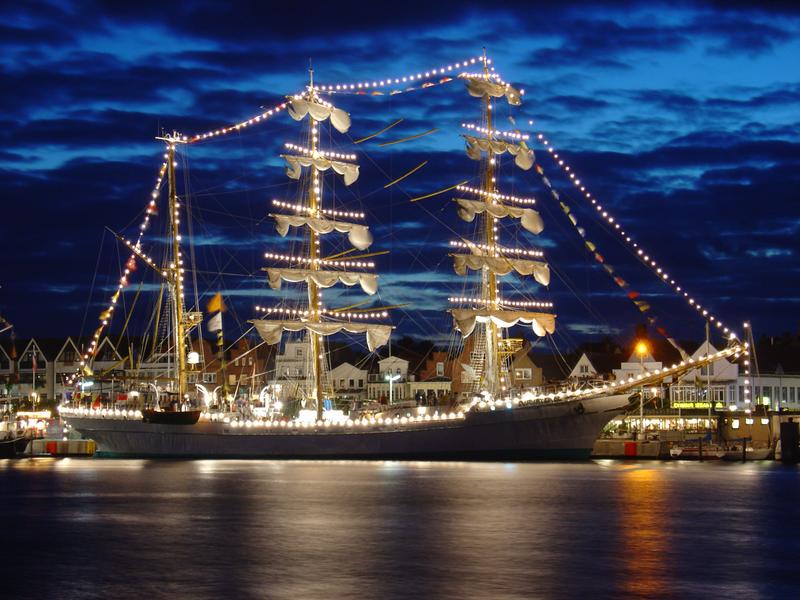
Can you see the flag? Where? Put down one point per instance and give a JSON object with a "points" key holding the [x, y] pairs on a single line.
{"points": [[216, 304], [33, 359], [215, 322]]}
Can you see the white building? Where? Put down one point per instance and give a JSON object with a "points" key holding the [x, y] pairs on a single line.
{"points": [[720, 379], [378, 384], [349, 381]]}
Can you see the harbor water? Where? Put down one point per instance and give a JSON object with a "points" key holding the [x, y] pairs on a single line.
{"points": [[93, 528]]}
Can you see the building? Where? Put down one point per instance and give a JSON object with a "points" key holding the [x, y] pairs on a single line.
{"points": [[349, 382], [378, 384]]}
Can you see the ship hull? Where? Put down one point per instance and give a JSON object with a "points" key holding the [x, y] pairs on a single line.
{"points": [[564, 430]]}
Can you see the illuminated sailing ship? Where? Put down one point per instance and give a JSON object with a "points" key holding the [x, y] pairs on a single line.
{"points": [[489, 422]]}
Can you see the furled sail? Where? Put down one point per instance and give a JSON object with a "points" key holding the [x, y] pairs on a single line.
{"points": [[324, 279], [358, 235], [299, 108], [502, 265], [523, 156], [478, 87], [465, 318], [271, 330], [349, 171], [528, 217]]}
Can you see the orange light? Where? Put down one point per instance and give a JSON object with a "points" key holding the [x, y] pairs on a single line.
{"points": [[641, 348]]}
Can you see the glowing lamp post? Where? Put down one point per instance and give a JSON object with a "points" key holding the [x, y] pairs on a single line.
{"points": [[641, 350], [391, 379]]}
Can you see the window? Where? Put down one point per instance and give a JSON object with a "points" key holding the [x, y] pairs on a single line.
{"points": [[361, 383], [249, 361], [352, 384], [298, 352], [584, 369], [341, 383], [232, 379], [522, 373], [209, 378], [191, 378], [440, 369], [398, 370]]}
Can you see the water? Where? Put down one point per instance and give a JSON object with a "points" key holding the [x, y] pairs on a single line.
{"points": [[84, 528]]}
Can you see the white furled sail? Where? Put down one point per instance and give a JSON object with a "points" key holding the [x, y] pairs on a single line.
{"points": [[465, 319], [501, 265], [523, 156], [358, 235], [299, 108], [348, 171], [478, 87], [529, 218], [324, 279], [271, 330]]}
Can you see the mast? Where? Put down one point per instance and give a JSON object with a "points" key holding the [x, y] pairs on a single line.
{"points": [[310, 267], [314, 293], [489, 278], [489, 312], [176, 268]]}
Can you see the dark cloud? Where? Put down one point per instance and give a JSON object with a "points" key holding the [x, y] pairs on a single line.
{"points": [[84, 97]]}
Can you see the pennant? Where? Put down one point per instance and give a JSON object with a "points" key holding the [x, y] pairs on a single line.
{"points": [[216, 304], [620, 281], [215, 322], [633, 294]]}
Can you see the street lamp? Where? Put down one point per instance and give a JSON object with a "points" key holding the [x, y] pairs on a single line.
{"points": [[391, 379], [641, 350]]}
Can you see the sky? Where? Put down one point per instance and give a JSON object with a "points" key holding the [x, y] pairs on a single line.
{"points": [[679, 118]]}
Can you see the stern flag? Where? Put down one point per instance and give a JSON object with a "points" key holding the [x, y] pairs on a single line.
{"points": [[216, 304], [215, 322]]}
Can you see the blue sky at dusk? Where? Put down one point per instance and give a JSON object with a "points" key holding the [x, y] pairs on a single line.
{"points": [[682, 119]]}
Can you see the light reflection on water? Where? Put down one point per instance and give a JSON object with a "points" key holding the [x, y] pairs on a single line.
{"points": [[85, 528]]}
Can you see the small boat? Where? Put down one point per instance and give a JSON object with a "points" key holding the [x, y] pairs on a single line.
{"points": [[13, 446], [693, 452], [735, 453], [171, 417]]}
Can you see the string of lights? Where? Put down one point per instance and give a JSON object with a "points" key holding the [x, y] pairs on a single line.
{"points": [[495, 195], [325, 153], [105, 317], [496, 249], [361, 264], [514, 135], [517, 303], [388, 81], [325, 211], [214, 133], [298, 312], [643, 255]]}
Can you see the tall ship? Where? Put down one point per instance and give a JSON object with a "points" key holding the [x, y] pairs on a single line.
{"points": [[328, 247]]}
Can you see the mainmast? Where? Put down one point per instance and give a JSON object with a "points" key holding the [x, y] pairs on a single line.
{"points": [[314, 293], [489, 278], [488, 368], [312, 268]]}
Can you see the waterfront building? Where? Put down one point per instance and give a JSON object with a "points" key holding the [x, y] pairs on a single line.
{"points": [[349, 382], [378, 383]]}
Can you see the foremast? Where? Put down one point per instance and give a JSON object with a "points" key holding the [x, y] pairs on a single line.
{"points": [[488, 366], [182, 320], [311, 267]]}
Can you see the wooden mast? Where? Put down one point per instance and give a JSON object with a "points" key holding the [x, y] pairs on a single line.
{"points": [[489, 280], [314, 306], [176, 265]]}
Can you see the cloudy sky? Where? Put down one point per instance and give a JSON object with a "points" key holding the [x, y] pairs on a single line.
{"points": [[681, 119]]}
